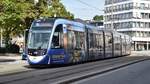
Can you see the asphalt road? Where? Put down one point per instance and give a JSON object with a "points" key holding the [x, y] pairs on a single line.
{"points": [[138, 73]]}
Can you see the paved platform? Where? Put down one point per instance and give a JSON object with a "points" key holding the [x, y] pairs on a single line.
{"points": [[12, 63], [140, 53]]}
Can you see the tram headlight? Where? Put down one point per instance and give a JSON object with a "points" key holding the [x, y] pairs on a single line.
{"points": [[58, 57]]}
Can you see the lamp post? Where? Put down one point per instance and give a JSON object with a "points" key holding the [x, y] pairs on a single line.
{"points": [[112, 26]]}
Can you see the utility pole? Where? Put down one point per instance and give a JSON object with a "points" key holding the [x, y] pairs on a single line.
{"points": [[112, 26]]}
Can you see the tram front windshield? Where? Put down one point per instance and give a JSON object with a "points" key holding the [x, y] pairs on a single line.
{"points": [[39, 39]]}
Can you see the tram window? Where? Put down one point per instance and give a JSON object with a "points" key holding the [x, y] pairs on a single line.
{"points": [[97, 44], [71, 39], [57, 40], [117, 43], [82, 40], [91, 40], [75, 39], [108, 40], [100, 41], [77, 34], [97, 41], [94, 41]]}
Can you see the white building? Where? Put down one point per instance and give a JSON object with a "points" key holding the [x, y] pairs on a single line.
{"points": [[99, 24], [131, 17]]}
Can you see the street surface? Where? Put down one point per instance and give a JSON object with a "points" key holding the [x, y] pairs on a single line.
{"points": [[138, 73], [12, 63], [117, 71]]}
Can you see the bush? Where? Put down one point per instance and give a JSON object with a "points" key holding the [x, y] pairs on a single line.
{"points": [[2, 50], [13, 48]]}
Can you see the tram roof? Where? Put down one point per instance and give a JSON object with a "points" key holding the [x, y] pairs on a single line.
{"points": [[65, 21], [60, 20]]}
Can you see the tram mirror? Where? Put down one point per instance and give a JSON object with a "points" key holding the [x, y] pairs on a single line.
{"points": [[64, 28]]}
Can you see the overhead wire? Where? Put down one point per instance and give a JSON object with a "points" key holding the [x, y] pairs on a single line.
{"points": [[89, 5]]}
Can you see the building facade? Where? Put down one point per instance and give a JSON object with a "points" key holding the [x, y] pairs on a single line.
{"points": [[131, 17], [99, 24]]}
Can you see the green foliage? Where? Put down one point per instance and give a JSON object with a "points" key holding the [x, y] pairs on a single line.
{"points": [[98, 17], [58, 10], [17, 15], [12, 17]]}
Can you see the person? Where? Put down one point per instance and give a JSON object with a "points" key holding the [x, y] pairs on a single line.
{"points": [[21, 49]]}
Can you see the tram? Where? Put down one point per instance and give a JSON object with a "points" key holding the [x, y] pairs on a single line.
{"points": [[61, 41]]}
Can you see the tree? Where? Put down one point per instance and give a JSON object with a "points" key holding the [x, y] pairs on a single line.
{"points": [[41, 9], [17, 15], [98, 17], [12, 17], [58, 10]]}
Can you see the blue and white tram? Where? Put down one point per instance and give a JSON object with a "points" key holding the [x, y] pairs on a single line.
{"points": [[61, 41]]}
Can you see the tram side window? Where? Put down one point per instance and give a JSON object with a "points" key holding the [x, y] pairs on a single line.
{"points": [[91, 40], [57, 40], [79, 40], [77, 35], [117, 43], [94, 41], [108, 41], [82, 40], [124, 42], [100, 41], [97, 41], [71, 39]]}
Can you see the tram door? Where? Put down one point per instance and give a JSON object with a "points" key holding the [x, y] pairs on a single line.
{"points": [[92, 55], [70, 45], [117, 45], [108, 45], [123, 45], [75, 45], [98, 45], [96, 48], [57, 41], [128, 47], [71, 42]]}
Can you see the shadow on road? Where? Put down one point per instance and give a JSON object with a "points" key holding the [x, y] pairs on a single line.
{"points": [[7, 60]]}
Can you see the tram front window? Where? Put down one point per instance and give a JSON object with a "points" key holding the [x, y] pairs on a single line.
{"points": [[39, 40]]}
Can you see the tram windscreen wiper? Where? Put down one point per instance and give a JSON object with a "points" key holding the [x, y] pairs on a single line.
{"points": [[44, 44], [40, 47]]}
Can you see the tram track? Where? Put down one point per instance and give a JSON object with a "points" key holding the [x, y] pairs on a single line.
{"points": [[55, 74], [72, 80], [85, 70]]}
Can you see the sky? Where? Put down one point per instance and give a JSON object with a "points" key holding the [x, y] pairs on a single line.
{"points": [[84, 9]]}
